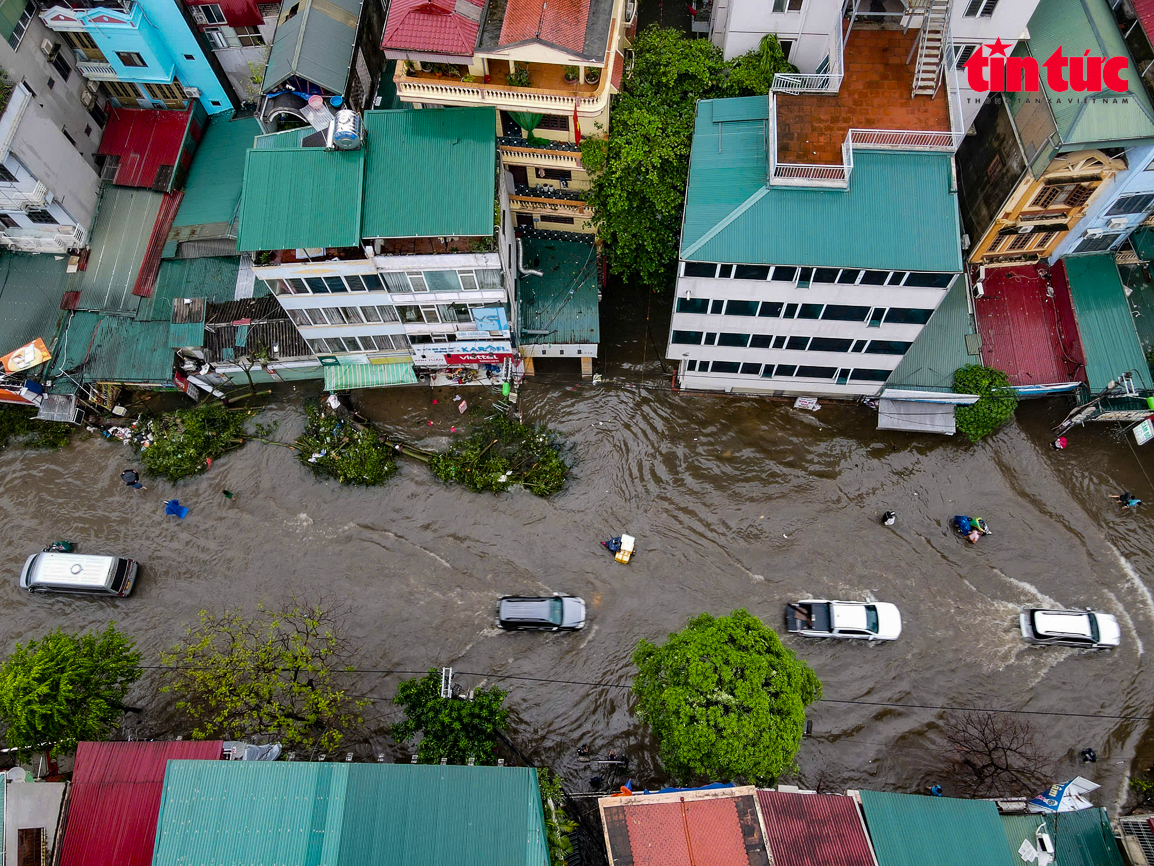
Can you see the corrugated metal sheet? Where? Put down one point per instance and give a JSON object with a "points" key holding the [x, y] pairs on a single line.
{"points": [[349, 377], [1083, 838], [10, 12], [940, 348], [908, 830], [301, 198], [746, 221], [290, 139], [150, 265], [147, 140], [125, 351], [70, 349], [316, 44], [916, 416], [213, 279], [564, 300], [1078, 26], [1019, 829], [34, 286], [814, 830], [212, 191], [119, 242], [116, 791], [1105, 322], [430, 173]]}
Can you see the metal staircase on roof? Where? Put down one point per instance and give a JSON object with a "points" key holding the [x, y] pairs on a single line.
{"points": [[931, 47]]}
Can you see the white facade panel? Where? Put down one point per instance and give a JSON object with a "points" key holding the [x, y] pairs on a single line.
{"points": [[1126, 191]]}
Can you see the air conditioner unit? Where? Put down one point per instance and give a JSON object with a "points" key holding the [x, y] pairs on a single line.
{"points": [[192, 92], [50, 48], [87, 98], [94, 86], [1116, 223], [1094, 233]]}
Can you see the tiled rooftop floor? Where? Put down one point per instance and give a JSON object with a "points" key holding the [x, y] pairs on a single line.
{"points": [[875, 94]]}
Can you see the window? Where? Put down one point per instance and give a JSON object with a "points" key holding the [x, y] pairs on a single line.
{"points": [[751, 369], [559, 122], [690, 366], [410, 315], [887, 347], [816, 372], [61, 66], [686, 338], [41, 217], [760, 341], [215, 36], [353, 315], [555, 173], [783, 369], [725, 367], [370, 314], [859, 345], [710, 338], [907, 316], [166, 92], [1132, 204], [930, 281], [700, 269], [740, 341], [751, 272], [825, 275], [51, 83], [981, 8], [130, 58], [797, 344], [249, 37], [1019, 241], [1063, 195], [790, 311], [468, 281], [299, 318], [716, 306], [848, 276], [725, 272], [335, 284], [7, 221], [71, 140], [78, 39], [559, 220], [897, 278], [869, 375], [417, 281], [810, 311], [779, 342], [962, 54], [22, 25], [829, 344], [88, 130], [845, 313], [429, 313], [803, 277], [741, 308], [770, 309], [316, 285], [876, 317], [786, 275], [6, 176], [787, 5], [97, 114], [693, 305], [1096, 244], [211, 12], [122, 90]]}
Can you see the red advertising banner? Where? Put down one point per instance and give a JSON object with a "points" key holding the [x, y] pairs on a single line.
{"points": [[479, 358]]}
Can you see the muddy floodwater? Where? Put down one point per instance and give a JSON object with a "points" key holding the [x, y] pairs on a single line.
{"points": [[735, 502]]}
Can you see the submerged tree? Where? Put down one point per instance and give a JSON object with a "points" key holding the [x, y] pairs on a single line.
{"points": [[64, 688], [185, 442], [996, 754], [725, 699], [275, 672], [452, 728], [499, 453], [341, 449], [997, 401]]}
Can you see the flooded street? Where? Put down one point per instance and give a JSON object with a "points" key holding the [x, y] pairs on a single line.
{"points": [[735, 503]]}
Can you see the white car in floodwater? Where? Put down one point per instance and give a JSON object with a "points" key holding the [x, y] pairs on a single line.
{"points": [[1087, 628], [844, 619]]}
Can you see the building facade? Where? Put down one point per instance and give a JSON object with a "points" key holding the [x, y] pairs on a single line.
{"points": [[239, 32]]}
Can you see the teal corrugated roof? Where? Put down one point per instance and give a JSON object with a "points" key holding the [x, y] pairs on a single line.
{"points": [[1083, 838], [430, 173], [731, 215], [940, 348], [349, 815], [99, 348], [70, 349], [212, 278], [564, 300], [349, 377], [212, 190], [1078, 26], [1105, 323], [909, 830], [33, 286], [290, 139], [314, 42], [308, 197], [1019, 829], [119, 241]]}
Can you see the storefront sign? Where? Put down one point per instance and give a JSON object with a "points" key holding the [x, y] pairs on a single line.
{"points": [[26, 357], [1144, 432], [446, 354], [479, 358]]}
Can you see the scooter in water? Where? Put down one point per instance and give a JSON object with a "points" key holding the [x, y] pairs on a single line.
{"points": [[970, 528]]}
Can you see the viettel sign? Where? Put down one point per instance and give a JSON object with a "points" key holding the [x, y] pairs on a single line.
{"points": [[990, 70]]}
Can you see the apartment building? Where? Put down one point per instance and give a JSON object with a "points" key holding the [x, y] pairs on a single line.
{"points": [[549, 69], [142, 54], [239, 32], [392, 258]]}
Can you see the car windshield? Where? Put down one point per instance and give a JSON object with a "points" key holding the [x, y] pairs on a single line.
{"points": [[555, 611], [871, 618], [1093, 626]]}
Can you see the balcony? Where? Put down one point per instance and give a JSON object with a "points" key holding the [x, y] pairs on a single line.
{"points": [[519, 151], [44, 239], [540, 204], [12, 198], [97, 71]]}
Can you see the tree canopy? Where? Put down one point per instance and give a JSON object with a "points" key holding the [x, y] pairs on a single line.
{"points": [[450, 728], [997, 401], [276, 672], [639, 170], [64, 688], [725, 699]]}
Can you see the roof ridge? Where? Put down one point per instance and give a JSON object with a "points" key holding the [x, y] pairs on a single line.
{"points": [[725, 222]]}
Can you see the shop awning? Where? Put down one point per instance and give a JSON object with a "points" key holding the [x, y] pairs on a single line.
{"points": [[916, 416], [353, 376]]}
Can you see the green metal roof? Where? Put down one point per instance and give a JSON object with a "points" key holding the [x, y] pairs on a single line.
{"points": [[307, 197], [1019, 829], [212, 278], [349, 377], [290, 139], [1078, 26], [113, 349], [33, 286], [732, 215], [1105, 323], [1083, 838], [212, 190], [909, 830], [349, 815], [315, 42], [119, 241], [564, 300], [940, 348], [430, 173]]}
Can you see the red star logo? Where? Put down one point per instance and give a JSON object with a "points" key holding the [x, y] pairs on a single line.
{"points": [[998, 47]]}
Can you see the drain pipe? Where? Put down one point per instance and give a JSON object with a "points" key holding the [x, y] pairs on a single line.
{"points": [[521, 262]]}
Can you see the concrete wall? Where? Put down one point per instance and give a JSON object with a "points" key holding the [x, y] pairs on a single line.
{"points": [[30, 805], [1134, 180], [168, 17], [42, 147]]}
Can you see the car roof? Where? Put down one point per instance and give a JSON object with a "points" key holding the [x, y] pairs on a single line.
{"points": [[1067, 622], [72, 569], [849, 616], [525, 608]]}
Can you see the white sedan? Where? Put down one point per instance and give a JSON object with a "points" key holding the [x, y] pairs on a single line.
{"points": [[1081, 628], [845, 619]]}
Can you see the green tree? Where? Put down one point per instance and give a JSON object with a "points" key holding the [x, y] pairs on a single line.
{"points": [[450, 728], [65, 688], [752, 74], [276, 672], [997, 401], [558, 825], [725, 699]]}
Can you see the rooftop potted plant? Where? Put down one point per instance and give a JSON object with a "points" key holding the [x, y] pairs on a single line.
{"points": [[519, 77], [592, 74], [571, 73]]}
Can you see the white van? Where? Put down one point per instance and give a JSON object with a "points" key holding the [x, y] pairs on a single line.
{"points": [[72, 572]]}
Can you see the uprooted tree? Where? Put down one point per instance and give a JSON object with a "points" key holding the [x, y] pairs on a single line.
{"points": [[996, 754], [345, 450], [455, 728], [498, 453], [184, 443], [278, 672]]}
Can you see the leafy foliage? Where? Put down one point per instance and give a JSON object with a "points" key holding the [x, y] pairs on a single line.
{"points": [[499, 453], [996, 404], [65, 688], [19, 423], [183, 442], [725, 699], [450, 728], [640, 168], [558, 825], [274, 672], [342, 450]]}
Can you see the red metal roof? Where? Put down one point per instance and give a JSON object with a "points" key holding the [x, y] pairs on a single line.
{"points": [[432, 26], [557, 22], [814, 830], [115, 799], [1145, 11], [145, 139], [150, 266]]}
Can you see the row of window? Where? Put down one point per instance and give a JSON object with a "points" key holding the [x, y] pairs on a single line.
{"points": [[803, 277], [343, 315], [789, 371], [778, 309], [406, 282], [374, 343], [1021, 241], [795, 343]]}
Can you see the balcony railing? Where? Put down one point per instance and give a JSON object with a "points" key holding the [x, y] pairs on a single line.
{"points": [[44, 240], [96, 71], [12, 198], [902, 139], [516, 98], [824, 82], [535, 155], [550, 205]]}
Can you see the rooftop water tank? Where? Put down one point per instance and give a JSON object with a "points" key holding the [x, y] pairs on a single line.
{"points": [[346, 133]]}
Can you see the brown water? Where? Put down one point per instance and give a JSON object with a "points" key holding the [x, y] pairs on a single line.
{"points": [[734, 502]]}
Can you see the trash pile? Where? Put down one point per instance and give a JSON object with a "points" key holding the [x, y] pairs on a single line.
{"points": [[184, 443], [345, 450], [499, 453]]}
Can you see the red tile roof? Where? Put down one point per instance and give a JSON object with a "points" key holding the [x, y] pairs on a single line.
{"points": [[618, 70], [115, 800], [146, 139], [814, 830], [1145, 12], [691, 828], [556, 22], [432, 26]]}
